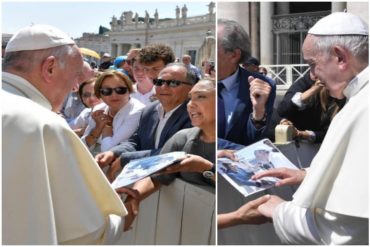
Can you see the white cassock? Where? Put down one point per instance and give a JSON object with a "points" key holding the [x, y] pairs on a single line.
{"points": [[332, 204], [53, 192]]}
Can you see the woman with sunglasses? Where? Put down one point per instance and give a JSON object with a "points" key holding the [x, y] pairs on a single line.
{"points": [[115, 120], [89, 100]]}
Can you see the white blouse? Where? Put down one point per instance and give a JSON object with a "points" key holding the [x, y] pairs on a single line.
{"points": [[82, 120], [125, 123]]}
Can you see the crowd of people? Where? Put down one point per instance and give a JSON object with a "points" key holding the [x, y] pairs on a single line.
{"points": [[69, 129]]}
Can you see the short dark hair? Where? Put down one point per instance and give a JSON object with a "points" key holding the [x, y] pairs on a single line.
{"points": [[155, 52]]}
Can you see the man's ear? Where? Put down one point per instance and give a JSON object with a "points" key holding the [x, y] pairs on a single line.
{"points": [[48, 68], [236, 54], [342, 57]]}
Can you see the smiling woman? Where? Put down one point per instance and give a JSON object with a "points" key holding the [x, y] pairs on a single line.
{"points": [[117, 118]]}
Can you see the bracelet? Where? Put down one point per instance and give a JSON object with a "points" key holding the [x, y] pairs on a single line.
{"points": [[259, 122]]}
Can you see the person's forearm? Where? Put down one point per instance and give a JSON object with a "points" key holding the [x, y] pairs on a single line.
{"points": [[92, 137], [146, 187], [305, 96], [227, 220]]}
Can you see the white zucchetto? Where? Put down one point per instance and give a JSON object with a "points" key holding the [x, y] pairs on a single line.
{"points": [[340, 23], [37, 37]]}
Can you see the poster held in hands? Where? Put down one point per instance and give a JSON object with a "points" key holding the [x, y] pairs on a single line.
{"points": [[138, 169], [255, 158]]}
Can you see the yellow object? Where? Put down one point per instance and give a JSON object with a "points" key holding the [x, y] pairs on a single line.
{"points": [[89, 52]]}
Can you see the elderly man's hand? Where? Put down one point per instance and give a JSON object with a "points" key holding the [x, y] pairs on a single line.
{"points": [[246, 214], [259, 93], [267, 209], [249, 214], [287, 176]]}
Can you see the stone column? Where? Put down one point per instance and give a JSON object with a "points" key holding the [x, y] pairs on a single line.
{"points": [[266, 44], [119, 49], [338, 6], [360, 8], [113, 50], [254, 34], [237, 11]]}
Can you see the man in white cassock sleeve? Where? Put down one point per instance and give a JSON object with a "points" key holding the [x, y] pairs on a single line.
{"points": [[53, 192], [331, 206]]}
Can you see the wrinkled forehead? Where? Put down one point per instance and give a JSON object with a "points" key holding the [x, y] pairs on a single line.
{"points": [[173, 73], [308, 46]]}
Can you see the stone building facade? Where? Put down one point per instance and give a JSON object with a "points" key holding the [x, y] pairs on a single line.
{"points": [[193, 35], [277, 29]]}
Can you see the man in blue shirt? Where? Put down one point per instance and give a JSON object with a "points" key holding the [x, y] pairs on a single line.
{"points": [[246, 99]]}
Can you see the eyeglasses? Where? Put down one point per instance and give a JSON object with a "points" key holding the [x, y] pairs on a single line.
{"points": [[170, 83], [88, 95], [108, 91]]}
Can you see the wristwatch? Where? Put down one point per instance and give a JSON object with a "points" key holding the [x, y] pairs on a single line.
{"points": [[259, 122], [209, 173]]}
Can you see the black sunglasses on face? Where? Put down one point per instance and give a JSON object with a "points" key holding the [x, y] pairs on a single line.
{"points": [[170, 83], [108, 91]]}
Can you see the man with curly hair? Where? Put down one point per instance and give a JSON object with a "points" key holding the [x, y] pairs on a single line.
{"points": [[154, 58]]}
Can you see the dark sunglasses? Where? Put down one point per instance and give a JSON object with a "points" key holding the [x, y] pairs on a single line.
{"points": [[108, 91], [170, 83]]}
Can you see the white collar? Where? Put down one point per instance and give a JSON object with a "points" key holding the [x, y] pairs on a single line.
{"points": [[163, 114], [24, 88], [358, 82]]}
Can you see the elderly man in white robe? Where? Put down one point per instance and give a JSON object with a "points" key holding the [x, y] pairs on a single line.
{"points": [[53, 191], [331, 206]]}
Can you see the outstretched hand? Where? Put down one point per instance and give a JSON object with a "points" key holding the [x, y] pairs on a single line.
{"points": [[246, 214], [104, 159], [267, 209], [249, 213], [226, 153], [132, 205], [113, 169], [287, 176], [191, 163]]}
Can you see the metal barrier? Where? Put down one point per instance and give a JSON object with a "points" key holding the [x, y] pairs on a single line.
{"points": [[178, 214], [287, 74]]}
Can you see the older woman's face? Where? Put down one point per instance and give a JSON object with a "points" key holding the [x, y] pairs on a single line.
{"points": [[88, 96], [201, 107], [114, 100]]}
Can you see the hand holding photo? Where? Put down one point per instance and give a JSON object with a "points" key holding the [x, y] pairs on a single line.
{"points": [[249, 161], [141, 168]]}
